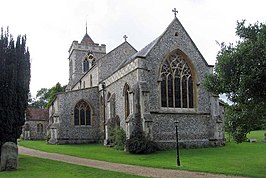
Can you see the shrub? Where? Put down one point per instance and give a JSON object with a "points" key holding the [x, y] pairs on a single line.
{"points": [[48, 136], [118, 138], [140, 144]]}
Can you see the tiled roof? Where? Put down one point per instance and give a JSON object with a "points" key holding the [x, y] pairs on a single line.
{"points": [[87, 39], [145, 51], [36, 114], [142, 53]]}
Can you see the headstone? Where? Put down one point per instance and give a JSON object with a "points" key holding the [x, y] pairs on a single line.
{"points": [[252, 140], [9, 156]]}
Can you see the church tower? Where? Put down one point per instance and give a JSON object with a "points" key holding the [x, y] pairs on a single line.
{"points": [[82, 56]]}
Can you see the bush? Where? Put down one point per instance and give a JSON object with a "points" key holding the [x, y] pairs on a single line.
{"points": [[118, 138], [140, 144]]}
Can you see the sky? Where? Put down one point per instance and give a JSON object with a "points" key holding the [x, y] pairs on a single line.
{"points": [[52, 25]]}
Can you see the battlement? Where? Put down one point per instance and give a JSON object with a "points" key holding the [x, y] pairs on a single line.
{"points": [[96, 47]]}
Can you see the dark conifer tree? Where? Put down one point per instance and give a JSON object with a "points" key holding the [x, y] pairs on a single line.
{"points": [[14, 86]]}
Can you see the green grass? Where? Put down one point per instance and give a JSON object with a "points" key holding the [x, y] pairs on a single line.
{"points": [[246, 159], [44, 168], [259, 135]]}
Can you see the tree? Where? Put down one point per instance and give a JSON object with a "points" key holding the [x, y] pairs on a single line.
{"points": [[41, 99], [14, 86], [44, 96], [52, 93], [240, 73]]}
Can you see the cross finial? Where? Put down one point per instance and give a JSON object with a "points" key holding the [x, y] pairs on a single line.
{"points": [[175, 11], [125, 37]]}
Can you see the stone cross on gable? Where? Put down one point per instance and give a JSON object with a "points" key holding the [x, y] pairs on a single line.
{"points": [[175, 11], [125, 37]]}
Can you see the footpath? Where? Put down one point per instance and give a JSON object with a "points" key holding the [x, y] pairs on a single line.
{"points": [[129, 169]]}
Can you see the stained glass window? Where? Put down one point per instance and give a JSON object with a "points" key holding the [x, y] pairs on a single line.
{"points": [[177, 89], [163, 93], [82, 113]]}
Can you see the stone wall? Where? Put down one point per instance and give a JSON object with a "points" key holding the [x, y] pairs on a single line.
{"points": [[193, 129], [117, 89], [197, 126], [77, 53], [90, 79], [167, 44], [32, 132], [67, 132], [110, 62]]}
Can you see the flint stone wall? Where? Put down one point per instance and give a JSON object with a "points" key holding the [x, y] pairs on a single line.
{"points": [[67, 131], [34, 135], [193, 129], [117, 89]]}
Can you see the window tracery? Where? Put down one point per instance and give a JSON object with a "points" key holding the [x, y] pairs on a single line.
{"points": [[176, 83], [82, 114]]}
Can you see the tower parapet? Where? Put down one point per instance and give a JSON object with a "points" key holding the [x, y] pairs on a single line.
{"points": [[95, 47], [77, 57]]}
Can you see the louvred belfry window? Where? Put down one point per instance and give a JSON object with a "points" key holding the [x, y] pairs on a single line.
{"points": [[177, 85]]}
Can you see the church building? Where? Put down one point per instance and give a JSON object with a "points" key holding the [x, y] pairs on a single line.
{"points": [[162, 84]]}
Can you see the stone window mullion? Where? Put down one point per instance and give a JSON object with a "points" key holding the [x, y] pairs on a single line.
{"points": [[176, 83], [79, 116]]}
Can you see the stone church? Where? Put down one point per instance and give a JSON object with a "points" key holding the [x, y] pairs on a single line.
{"points": [[162, 83]]}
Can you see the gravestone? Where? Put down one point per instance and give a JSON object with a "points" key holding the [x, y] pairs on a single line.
{"points": [[252, 140], [9, 156]]}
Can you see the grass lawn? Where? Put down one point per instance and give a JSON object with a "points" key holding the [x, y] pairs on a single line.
{"points": [[246, 159], [257, 135], [44, 168]]}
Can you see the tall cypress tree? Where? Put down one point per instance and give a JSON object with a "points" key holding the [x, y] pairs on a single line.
{"points": [[14, 86]]}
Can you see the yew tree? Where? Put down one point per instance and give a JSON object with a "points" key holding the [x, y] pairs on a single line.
{"points": [[14, 85], [240, 73]]}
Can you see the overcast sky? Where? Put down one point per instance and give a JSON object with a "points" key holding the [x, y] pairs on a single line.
{"points": [[52, 25]]}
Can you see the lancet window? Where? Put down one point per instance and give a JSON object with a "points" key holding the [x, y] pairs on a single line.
{"points": [[86, 65], [126, 99]]}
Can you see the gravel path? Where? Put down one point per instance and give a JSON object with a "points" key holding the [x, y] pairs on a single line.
{"points": [[130, 169]]}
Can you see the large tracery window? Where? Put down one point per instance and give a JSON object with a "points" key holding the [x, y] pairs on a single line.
{"points": [[176, 83], [82, 114]]}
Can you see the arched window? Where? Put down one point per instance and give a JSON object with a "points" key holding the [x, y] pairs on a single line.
{"points": [[90, 80], [39, 128], [177, 89], [86, 65], [126, 99], [82, 114], [92, 62], [27, 127]]}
